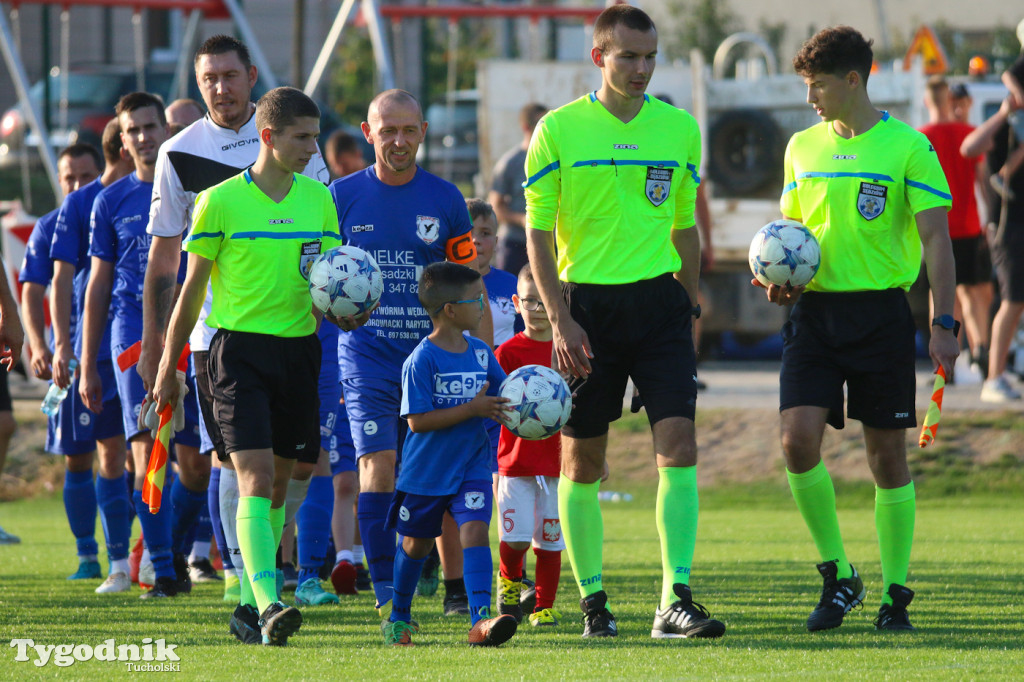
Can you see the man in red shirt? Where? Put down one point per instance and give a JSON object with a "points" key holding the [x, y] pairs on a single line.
{"points": [[970, 250]]}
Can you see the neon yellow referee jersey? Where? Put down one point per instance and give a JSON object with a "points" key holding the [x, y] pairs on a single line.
{"points": [[261, 252], [859, 197], [613, 191]]}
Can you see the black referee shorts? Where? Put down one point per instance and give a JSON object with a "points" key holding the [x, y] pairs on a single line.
{"points": [[204, 387], [864, 339], [642, 331], [265, 393]]}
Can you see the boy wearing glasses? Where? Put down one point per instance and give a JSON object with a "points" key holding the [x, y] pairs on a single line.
{"points": [[449, 388], [528, 477]]}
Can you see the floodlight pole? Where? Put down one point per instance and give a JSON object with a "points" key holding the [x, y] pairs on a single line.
{"points": [[20, 78]]}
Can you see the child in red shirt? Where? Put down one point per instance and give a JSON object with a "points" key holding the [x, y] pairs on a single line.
{"points": [[528, 476]]}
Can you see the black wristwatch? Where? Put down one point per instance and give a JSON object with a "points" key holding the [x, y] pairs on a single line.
{"points": [[695, 311], [947, 322]]}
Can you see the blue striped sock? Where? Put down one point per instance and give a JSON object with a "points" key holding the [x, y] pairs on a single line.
{"points": [[314, 520], [407, 574], [80, 507], [378, 541], [187, 505], [115, 515], [156, 529], [478, 572]]}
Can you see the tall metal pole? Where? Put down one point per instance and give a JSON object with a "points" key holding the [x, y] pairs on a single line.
{"points": [[328, 49], [298, 33], [381, 50]]}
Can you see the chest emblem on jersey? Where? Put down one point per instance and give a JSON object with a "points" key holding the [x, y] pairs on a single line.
{"points": [[481, 357], [428, 228], [309, 253], [504, 305], [871, 200], [659, 182]]}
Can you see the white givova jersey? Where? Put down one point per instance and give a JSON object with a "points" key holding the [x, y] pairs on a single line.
{"points": [[197, 158]]}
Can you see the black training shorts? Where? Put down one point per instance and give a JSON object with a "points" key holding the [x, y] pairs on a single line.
{"points": [[642, 331], [973, 263], [265, 392], [1008, 261], [204, 387], [864, 339], [5, 391]]}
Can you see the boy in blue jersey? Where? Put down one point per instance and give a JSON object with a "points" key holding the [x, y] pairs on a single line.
{"points": [[68, 253], [449, 387], [119, 248], [406, 219]]}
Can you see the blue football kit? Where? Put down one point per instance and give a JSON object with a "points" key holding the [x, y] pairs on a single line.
{"points": [[119, 217], [37, 267], [405, 228], [71, 245]]}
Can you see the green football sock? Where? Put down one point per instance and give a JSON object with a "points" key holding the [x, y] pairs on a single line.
{"points": [[256, 540], [816, 499], [676, 515], [277, 517], [583, 529], [245, 595], [894, 522]]}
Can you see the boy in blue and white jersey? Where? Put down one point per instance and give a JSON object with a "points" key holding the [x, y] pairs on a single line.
{"points": [[119, 249], [449, 390]]}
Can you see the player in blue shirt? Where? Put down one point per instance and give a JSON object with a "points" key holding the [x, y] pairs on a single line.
{"points": [[77, 166], [119, 248], [406, 219], [449, 388], [69, 253]]}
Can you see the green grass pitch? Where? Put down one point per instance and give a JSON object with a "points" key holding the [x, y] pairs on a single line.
{"points": [[754, 569]]}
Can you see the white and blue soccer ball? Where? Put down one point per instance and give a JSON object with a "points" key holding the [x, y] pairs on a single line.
{"points": [[345, 281], [784, 252], [539, 402]]}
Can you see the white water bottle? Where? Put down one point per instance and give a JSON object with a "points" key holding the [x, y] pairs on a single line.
{"points": [[55, 394]]}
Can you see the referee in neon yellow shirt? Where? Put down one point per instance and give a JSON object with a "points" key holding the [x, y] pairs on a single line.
{"points": [[614, 175], [872, 191], [258, 233]]}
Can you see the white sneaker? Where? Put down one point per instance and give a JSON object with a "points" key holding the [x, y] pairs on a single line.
{"points": [[115, 582], [998, 390]]}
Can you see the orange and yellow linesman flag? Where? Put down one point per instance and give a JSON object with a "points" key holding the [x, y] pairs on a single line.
{"points": [[931, 419], [156, 472], [153, 486]]}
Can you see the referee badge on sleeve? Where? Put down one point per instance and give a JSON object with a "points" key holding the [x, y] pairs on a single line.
{"points": [[659, 182], [310, 251], [871, 200]]}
